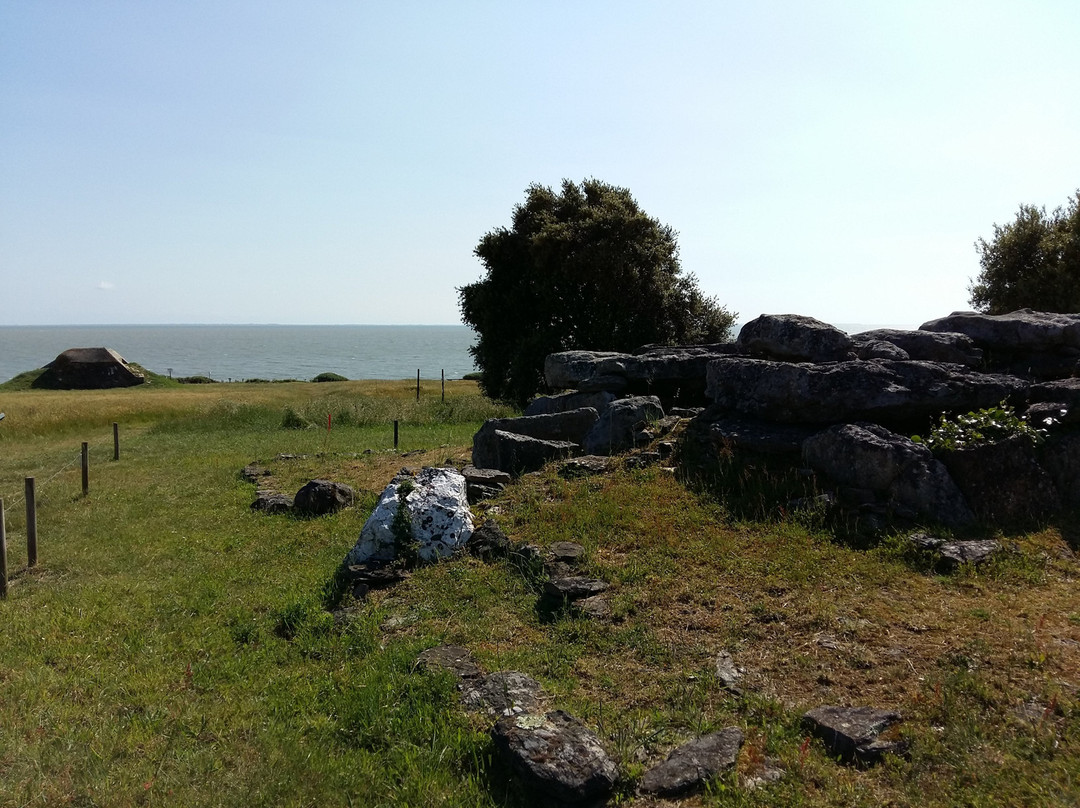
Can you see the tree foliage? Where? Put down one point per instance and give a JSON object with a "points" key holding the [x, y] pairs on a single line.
{"points": [[1032, 262], [584, 268]]}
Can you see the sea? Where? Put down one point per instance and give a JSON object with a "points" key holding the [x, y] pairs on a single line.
{"points": [[237, 352]]}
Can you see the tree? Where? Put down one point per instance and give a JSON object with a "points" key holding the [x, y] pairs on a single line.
{"points": [[581, 269], [1033, 262]]}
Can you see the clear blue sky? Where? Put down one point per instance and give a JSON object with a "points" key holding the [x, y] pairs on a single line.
{"points": [[336, 162]]}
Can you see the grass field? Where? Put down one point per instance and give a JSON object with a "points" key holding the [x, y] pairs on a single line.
{"points": [[173, 648]]}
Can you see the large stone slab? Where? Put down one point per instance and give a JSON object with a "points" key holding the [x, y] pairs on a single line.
{"points": [[438, 519], [677, 372], [874, 390], [570, 426], [851, 733], [1022, 330], [932, 346], [795, 338], [614, 431], [1003, 481], [549, 405], [320, 497], [557, 755], [867, 456]]}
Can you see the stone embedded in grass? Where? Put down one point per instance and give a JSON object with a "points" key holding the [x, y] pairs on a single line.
{"points": [[557, 755], [272, 502], [586, 466], [319, 497], [574, 587], [459, 661], [568, 551], [728, 673], [488, 542], [690, 766], [954, 553], [851, 733], [503, 693], [438, 519]]}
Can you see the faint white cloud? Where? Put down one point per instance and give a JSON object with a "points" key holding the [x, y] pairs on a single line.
{"points": [[104, 285]]}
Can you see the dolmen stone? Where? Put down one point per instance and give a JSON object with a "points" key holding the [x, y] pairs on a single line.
{"points": [[557, 755], [851, 733], [481, 484], [906, 474], [614, 431], [436, 522], [550, 405], [519, 445], [689, 767], [795, 338], [319, 497], [932, 346], [879, 390], [1024, 329]]}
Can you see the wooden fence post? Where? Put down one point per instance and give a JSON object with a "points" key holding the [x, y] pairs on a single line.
{"points": [[418, 384], [31, 523], [443, 374], [3, 553], [116, 441], [395, 436], [85, 468]]}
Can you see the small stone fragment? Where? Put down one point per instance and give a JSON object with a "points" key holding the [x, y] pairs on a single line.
{"points": [[451, 658], [851, 733], [488, 542], [567, 551], [320, 497], [271, 502], [595, 607], [690, 766], [728, 673], [574, 587], [586, 466]]}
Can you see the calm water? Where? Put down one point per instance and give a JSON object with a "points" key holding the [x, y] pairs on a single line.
{"points": [[226, 352]]}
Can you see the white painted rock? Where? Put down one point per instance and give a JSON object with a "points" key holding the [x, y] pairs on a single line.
{"points": [[439, 518]]}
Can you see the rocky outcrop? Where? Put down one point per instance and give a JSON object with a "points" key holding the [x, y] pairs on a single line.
{"points": [[880, 390], [614, 430], [931, 346], [422, 517], [795, 338]]}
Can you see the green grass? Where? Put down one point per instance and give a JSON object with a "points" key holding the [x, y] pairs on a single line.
{"points": [[173, 648]]}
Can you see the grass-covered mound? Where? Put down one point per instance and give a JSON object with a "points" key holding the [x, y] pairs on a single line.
{"points": [[174, 648]]}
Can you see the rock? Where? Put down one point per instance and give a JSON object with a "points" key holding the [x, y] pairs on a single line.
{"points": [[748, 434], [459, 661], [851, 733], [973, 551], [1063, 391], [503, 693], [488, 542], [271, 502], [574, 587], [1023, 330], [568, 369], [795, 338], [595, 607], [586, 466], [556, 755], [907, 474], [88, 369], [377, 575], [480, 493], [439, 520], [692, 765], [520, 454], [614, 431], [1003, 481], [1060, 456], [493, 452], [878, 349], [491, 477], [568, 551], [879, 390], [253, 471], [549, 405], [319, 497], [931, 346], [728, 673]]}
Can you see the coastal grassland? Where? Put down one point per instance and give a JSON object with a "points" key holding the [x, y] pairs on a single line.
{"points": [[174, 648]]}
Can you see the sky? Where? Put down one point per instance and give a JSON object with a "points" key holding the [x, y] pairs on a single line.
{"points": [[220, 161]]}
